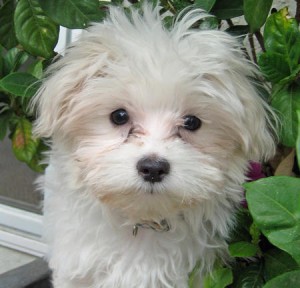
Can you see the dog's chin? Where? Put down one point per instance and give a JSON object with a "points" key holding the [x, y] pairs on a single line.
{"points": [[150, 204]]}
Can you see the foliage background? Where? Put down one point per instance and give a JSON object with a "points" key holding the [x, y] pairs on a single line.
{"points": [[266, 241]]}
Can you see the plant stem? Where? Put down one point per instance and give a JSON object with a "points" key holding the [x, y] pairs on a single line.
{"points": [[229, 22], [253, 52], [297, 15], [260, 40], [169, 6]]}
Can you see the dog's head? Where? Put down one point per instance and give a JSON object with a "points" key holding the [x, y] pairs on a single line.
{"points": [[156, 120]]}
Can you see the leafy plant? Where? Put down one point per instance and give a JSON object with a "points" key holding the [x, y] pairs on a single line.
{"points": [[266, 241]]}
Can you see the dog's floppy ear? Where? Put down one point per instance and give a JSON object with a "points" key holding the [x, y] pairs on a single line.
{"points": [[253, 120], [259, 122], [64, 80]]}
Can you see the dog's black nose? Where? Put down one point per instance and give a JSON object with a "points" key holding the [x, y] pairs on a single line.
{"points": [[153, 169]]}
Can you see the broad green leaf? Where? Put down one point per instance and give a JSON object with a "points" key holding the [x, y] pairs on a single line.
{"points": [[36, 69], [7, 29], [19, 84], [298, 139], [249, 277], [280, 62], [35, 163], [23, 143], [282, 37], [13, 60], [256, 13], [274, 203], [242, 249], [293, 77], [220, 278], [278, 262], [274, 66], [37, 33], [287, 101], [286, 280], [205, 4], [226, 9], [73, 13]]}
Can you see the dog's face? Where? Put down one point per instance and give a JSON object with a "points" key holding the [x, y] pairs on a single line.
{"points": [[153, 132], [153, 148]]}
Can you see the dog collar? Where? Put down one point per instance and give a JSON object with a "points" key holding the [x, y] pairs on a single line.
{"points": [[162, 226]]}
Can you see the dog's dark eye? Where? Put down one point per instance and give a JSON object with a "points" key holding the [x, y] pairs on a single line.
{"points": [[191, 122], [119, 117]]}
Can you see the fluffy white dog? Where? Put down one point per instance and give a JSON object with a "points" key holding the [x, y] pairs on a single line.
{"points": [[152, 130]]}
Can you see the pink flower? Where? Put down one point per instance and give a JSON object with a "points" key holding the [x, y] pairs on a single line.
{"points": [[255, 171]]}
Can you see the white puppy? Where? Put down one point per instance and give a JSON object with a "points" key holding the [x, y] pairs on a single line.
{"points": [[152, 130]]}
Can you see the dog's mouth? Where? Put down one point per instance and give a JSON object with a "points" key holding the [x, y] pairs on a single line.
{"points": [[161, 226]]}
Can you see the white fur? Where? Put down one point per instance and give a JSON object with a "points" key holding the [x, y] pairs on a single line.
{"points": [[94, 194]]}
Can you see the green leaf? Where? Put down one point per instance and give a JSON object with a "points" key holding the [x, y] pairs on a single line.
{"points": [[255, 234], [226, 9], [249, 277], [192, 276], [287, 101], [7, 29], [23, 143], [238, 30], [282, 37], [274, 203], [209, 23], [36, 69], [278, 262], [1, 64], [175, 5], [298, 139], [37, 33], [35, 165], [241, 229], [274, 66], [242, 249], [256, 13], [73, 13], [220, 278], [4, 123], [286, 280], [205, 4], [13, 60], [168, 21], [291, 78], [19, 84]]}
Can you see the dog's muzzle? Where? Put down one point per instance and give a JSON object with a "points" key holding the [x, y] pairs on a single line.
{"points": [[162, 226]]}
